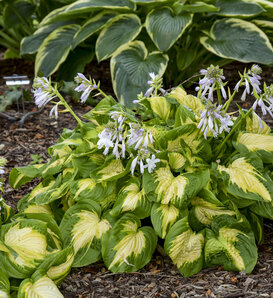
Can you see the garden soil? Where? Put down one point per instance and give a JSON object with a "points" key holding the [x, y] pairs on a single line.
{"points": [[160, 278]]}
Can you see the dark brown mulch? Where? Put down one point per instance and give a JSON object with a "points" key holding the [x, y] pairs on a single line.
{"points": [[160, 278]]}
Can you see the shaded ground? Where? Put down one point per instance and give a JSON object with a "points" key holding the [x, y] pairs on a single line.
{"points": [[160, 278]]}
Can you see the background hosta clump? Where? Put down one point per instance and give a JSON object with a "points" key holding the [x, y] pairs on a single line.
{"points": [[179, 169]]}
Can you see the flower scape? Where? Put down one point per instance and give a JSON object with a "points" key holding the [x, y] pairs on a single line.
{"points": [[177, 167]]}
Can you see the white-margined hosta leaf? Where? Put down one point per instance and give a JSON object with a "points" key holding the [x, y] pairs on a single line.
{"points": [[38, 285], [127, 247], [119, 31], [240, 40], [91, 26], [130, 68], [131, 198], [267, 5], [164, 27], [238, 8], [25, 244], [4, 285], [164, 216], [204, 209], [231, 244], [253, 124], [188, 100], [196, 6], [185, 247], [163, 187], [243, 178], [262, 144], [82, 227]]}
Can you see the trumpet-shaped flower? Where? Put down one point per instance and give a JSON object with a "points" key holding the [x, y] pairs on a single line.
{"points": [[43, 91], [86, 86], [138, 136], [142, 156], [155, 84]]}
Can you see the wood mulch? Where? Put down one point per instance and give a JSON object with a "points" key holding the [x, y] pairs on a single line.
{"points": [[160, 278]]}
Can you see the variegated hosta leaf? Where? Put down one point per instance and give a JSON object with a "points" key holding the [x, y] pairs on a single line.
{"points": [[161, 107], [25, 246], [6, 211], [4, 285], [82, 187], [119, 31], [243, 178], [41, 286], [204, 208], [82, 227], [22, 175], [163, 187], [257, 225], [264, 209], [130, 68], [111, 170], [185, 247], [230, 243], [253, 124], [131, 198], [184, 115], [177, 161], [240, 40], [127, 247], [187, 100], [262, 144], [164, 216], [165, 28]]}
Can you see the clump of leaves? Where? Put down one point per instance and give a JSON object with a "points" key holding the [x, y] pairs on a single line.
{"points": [[201, 175]]}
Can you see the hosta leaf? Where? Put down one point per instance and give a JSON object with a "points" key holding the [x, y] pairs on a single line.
{"points": [[131, 198], [263, 209], [261, 144], [204, 208], [253, 124], [185, 247], [177, 161], [55, 49], [267, 5], [119, 31], [22, 175], [230, 243], [243, 178], [130, 68], [163, 187], [240, 40], [147, 1], [196, 7], [257, 226], [26, 242], [32, 43], [82, 187], [91, 26], [82, 227], [183, 116], [4, 285], [238, 8], [163, 217], [126, 247], [6, 211], [165, 28], [161, 107], [40, 287]]}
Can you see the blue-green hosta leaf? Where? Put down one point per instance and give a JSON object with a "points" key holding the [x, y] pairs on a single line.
{"points": [[196, 7], [24, 247], [253, 124], [205, 209], [92, 26], [130, 68], [83, 227], [127, 247], [188, 100], [163, 217], [163, 187], [267, 5], [55, 49], [41, 286], [22, 175], [131, 198], [238, 8], [32, 43], [119, 31], [165, 28], [185, 247], [230, 243], [4, 285], [243, 178], [261, 144], [240, 40]]}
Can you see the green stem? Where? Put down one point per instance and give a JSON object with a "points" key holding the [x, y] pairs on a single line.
{"points": [[68, 107], [102, 93], [228, 102], [219, 96], [231, 132]]}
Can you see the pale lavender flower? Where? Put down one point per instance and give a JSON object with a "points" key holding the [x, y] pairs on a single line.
{"points": [[43, 92], [2, 171], [144, 154], [138, 136], [213, 77], [54, 111], [155, 84], [151, 163], [215, 120], [105, 141], [86, 86]]}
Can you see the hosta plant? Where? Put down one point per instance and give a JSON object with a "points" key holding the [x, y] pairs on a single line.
{"points": [[150, 36], [181, 171]]}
